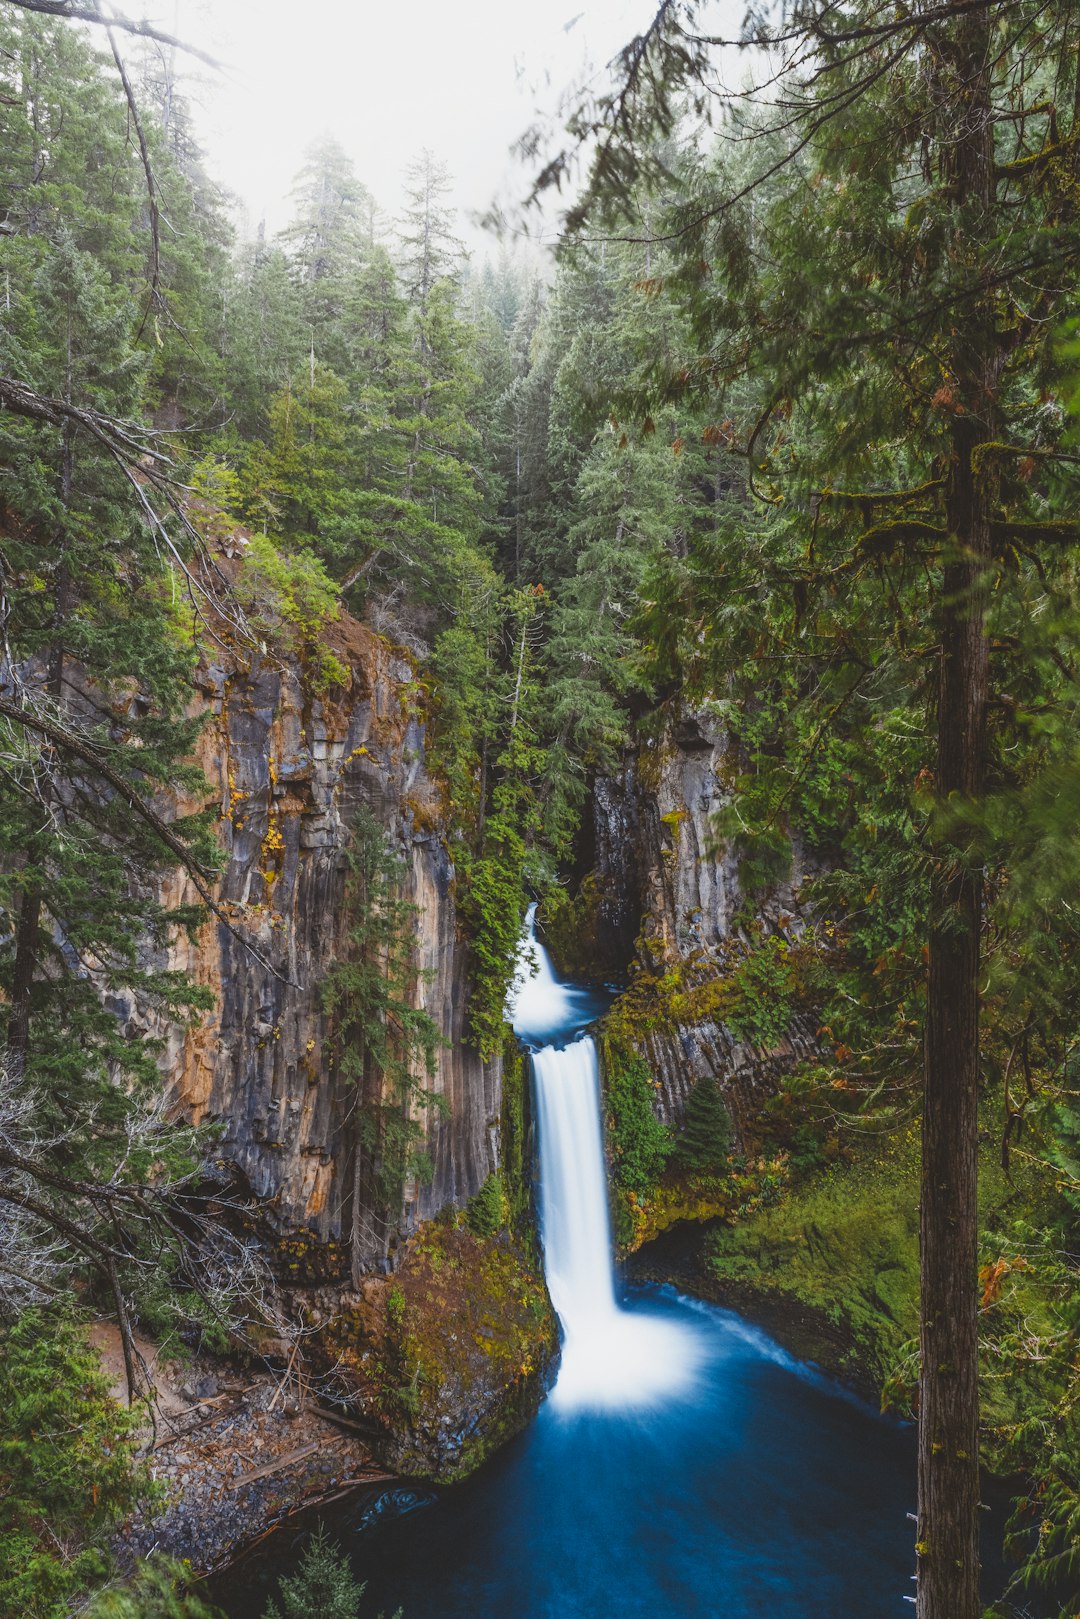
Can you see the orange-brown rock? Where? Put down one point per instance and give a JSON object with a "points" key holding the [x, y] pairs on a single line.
{"points": [[288, 769]]}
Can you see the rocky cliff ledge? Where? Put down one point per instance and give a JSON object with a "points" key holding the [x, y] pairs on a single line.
{"points": [[664, 904], [290, 769]]}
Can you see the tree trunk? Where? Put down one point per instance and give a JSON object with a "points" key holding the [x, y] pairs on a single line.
{"points": [[948, 1536], [948, 1582], [366, 1214], [356, 1227]]}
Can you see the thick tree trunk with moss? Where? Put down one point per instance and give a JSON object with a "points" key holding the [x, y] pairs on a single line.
{"points": [[948, 1539]]}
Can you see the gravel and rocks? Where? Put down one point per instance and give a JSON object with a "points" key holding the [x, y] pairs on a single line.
{"points": [[233, 1454]]}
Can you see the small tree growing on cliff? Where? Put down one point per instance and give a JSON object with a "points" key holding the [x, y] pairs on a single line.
{"points": [[706, 1136], [385, 1044]]}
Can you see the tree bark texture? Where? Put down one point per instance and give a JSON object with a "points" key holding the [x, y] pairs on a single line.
{"points": [[948, 1533]]}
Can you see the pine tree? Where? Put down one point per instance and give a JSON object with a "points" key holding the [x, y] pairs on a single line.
{"points": [[430, 251], [705, 1139], [323, 1584], [386, 1044], [333, 222], [266, 340], [64, 1494]]}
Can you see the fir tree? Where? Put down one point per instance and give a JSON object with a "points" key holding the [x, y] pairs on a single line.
{"points": [[430, 251], [266, 340], [332, 224], [705, 1139], [386, 1044], [323, 1584], [67, 1458]]}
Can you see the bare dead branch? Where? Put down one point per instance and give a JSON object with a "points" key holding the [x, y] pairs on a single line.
{"points": [[151, 184], [70, 742], [143, 29]]}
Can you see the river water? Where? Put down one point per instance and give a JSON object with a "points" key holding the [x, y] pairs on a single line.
{"points": [[683, 1465]]}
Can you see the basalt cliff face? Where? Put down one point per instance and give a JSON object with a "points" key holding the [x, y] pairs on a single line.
{"points": [[665, 899], [289, 771]]}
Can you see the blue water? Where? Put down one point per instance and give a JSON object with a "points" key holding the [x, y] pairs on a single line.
{"points": [[770, 1493], [749, 1486], [766, 1494]]}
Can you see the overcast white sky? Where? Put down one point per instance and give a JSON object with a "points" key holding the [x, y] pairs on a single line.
{"points": [[464, 79]]}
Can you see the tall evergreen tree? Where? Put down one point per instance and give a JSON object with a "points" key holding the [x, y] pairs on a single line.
{"points": [[430, 251], [333, 221], [922, 220], [386, 1043]]}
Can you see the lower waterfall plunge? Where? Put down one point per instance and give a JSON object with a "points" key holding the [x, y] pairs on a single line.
{"points": [[611, 1357]]}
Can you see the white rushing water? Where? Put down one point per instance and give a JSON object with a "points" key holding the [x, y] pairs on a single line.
{"points": [[611, 1356]]}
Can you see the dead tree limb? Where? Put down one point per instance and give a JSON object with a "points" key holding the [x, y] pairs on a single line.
{"points": [[148, 171], [70, 12], [70, 742]]}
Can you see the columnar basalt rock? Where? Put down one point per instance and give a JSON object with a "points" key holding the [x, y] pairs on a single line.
{"points": [[289, 770], [669, 900]]}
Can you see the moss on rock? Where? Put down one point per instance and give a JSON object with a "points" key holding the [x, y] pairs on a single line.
{"points": [[844, 1245], [572, 929], [449, 1357]]}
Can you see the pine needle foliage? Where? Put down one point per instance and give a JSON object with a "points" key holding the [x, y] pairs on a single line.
{"points": [[385, 1043], [67, 1465], [705, 1138], [323, 1585]]}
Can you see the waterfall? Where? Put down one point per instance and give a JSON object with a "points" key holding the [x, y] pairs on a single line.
{"points": [[573, 1193], [611, 1356]]}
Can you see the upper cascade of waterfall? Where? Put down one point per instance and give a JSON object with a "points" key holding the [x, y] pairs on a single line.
{"points": [[542, 1008], [611, 1357]]}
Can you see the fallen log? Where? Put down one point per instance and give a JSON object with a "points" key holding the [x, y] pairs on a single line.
{"points": [[281, 1462]]}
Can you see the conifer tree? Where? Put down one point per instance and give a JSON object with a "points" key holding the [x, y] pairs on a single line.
{"points": [[430, 251], [386, 1044], [917, 250], [333, 220], [266, 340], [706, 1133], [323, 1584]]}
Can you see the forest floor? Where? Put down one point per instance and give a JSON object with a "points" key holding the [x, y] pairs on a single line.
{"points": [[232, 1454]]}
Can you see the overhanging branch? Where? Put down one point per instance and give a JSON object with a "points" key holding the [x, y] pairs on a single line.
{"points": [[70, 742], [140, 27]]}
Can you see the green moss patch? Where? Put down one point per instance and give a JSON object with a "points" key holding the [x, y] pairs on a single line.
{"points": [[572, 931], [846, 1246], [449, 1355]]}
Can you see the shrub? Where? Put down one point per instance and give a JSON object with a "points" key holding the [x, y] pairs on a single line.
{"points": [[290, 599], [159, 1589], [640, 1142], [487, 1212], [68, 1473]]}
